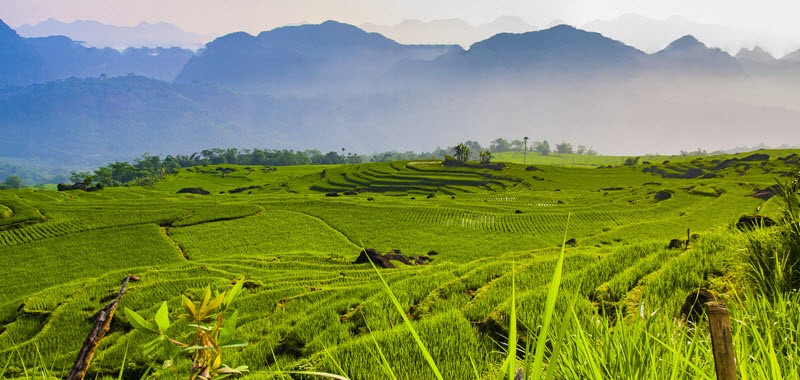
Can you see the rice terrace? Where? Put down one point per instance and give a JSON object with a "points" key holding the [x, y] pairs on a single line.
{"points": [[402, 190], [471, 254]]}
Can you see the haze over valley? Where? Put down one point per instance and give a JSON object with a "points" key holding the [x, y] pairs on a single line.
{"points": [[334, 85]]}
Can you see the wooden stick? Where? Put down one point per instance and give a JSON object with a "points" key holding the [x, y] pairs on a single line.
{"points": [[721, 341], [101, 326]]}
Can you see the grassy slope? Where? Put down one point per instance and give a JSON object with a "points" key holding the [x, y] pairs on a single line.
{"points": [[67, 252]]}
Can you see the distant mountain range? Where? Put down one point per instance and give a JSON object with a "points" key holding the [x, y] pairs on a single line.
{"points": [[334, 85], [96, 34], [36, 60], [331, 57]]}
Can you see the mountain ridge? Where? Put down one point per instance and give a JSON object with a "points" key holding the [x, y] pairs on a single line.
{"points": [[292, 87], [96, 34]]}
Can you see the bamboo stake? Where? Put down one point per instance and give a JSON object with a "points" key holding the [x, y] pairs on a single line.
{"points": [[721, 341]]}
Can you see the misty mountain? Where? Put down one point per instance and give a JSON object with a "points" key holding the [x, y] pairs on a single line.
{"points": [[565, 54], [19, 62], [562, 48], [329, 57], [66, 58], [79, 120], [755, 55], [449, 31], [792, 57], [333, 85], [653, 35], [96, 34], [41, 59], [687, 55]]}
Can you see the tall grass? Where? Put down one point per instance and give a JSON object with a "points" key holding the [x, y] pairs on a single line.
{"points": [[772, 255]]}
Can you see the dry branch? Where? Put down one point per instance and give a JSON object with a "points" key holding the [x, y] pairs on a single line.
{"points": [[101, 326]]}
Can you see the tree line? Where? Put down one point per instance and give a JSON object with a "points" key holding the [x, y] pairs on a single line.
{"points": [[542, 147], [148, 168]]}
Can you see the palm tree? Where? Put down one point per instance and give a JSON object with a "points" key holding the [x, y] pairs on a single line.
{"points": [[525, 150], [486, 156]]}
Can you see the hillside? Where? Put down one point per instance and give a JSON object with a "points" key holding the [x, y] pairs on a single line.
{"points": [[293, 234]]}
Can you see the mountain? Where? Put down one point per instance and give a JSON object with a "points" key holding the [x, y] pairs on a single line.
{"points": [[551, 55], [755, 55], [66, 58], [35, 60], [91, 120], [792, 57], [95, 34], [333, 85], [329, 57], [562, 48], [653, 35], [687, 55], [19, 62], [448, 31]]}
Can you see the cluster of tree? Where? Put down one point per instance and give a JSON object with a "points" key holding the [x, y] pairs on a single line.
{"points": [[462, 153], [148, 168], [541, 147], [12, 182], [701, 152], [437, 154]]}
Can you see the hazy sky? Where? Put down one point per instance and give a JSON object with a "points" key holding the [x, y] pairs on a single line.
{"points": [[223, 16], [775, 21]]}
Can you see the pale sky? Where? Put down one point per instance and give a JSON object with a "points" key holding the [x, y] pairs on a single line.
{"points": [[775, 21]]}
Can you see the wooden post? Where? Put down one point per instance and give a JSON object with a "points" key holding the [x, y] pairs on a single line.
{"points": [[688, 238], [721, 341], [99, 331]]}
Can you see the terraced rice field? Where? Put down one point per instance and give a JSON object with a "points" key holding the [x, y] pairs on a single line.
{"points": [[307, 305]]}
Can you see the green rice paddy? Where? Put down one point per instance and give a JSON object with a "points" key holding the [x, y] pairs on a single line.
{"points": [[307, 306]]}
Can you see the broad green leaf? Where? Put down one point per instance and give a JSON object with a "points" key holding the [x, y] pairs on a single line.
{"points": [[201, 327], [216, 302], [139, 323], [204, 305], [233, 343], [233, 292], [151, 346], [196, 348], [228, 326], [189, 306], [162, 317], [228, 370]]}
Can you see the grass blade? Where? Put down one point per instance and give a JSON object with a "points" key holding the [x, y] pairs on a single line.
{"points": [[562, 333], [425, 353], [124, 358], [384, 362], [474, 368], [511, 359], [3, 372], [335, 363], [550, 306]]}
